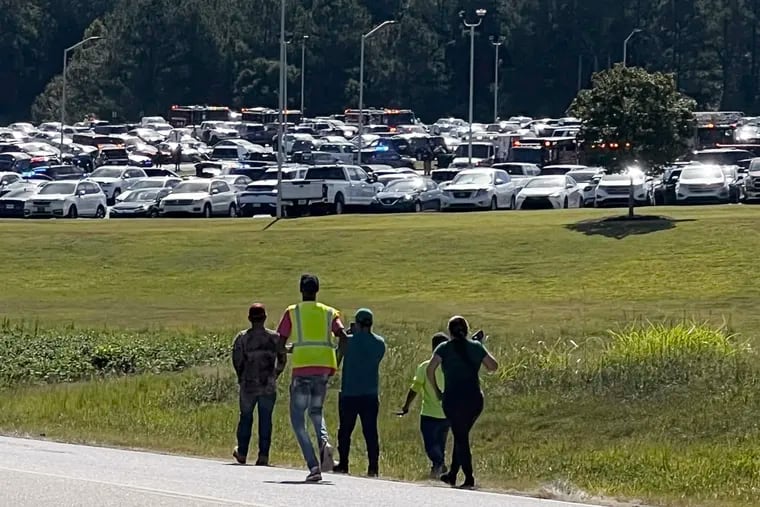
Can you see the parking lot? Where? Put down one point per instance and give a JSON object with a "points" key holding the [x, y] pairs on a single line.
{"points": [[216, 162]]}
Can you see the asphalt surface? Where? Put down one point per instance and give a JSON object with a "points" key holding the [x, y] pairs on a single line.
{"points": [[34, 473]]}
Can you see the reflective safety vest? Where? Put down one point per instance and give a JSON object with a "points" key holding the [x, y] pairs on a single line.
{"points": [[312, 335]]}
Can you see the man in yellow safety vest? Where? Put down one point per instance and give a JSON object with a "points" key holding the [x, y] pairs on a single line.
{"points": [[312, 328]]}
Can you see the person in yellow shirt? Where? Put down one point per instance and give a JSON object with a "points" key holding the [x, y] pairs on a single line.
{"points": [[433, 423]]}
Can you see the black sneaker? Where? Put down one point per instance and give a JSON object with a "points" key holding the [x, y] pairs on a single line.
{"points": [[262, 461], [238, 457], [373, 473], [340, 468], [468, 483], [448, 479]]}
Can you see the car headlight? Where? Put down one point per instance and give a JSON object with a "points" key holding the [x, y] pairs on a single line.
{"points": [[555, 195], [482, 193], [196, 201], [408, 197]]}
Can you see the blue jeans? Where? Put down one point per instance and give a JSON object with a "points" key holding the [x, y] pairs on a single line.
{"points": [[308, 394], [248, 403], [435, 432]]}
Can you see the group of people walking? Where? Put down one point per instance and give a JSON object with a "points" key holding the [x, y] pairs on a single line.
{"points": [[319, 344]]}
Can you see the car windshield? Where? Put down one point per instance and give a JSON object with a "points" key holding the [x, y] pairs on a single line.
{"points": [[409, 185], [58, 188], [191, 187], [622, 177], [545, 183], [701, 172], [104, 172], [473, 179], [478, 150], [148, 184], [142, 196]]}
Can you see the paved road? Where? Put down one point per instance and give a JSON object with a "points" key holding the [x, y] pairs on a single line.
{"points": [[34, 473]]}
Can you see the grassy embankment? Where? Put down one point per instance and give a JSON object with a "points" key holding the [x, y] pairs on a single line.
{"points": [[668, 415]]}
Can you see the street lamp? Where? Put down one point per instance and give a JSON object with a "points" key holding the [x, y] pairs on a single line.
{"points": [[281, 119], [285, 81], [303, 69], [361, 80], [63, 90], [480, 13], [625, 46], [496, 42]]}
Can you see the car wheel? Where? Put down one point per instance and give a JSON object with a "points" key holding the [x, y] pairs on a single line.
{"points": [[100, 212], [116, 193], [417, 207], [565, 204], [438, 205], [494, 203], [72, 212], [153, 213], [233, 211], [513, 203], [581, 202], [339, 205], [207, 211]]}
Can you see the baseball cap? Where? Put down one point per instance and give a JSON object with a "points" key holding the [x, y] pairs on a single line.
{"points": [[309, 283], [257, 311], [364, 316]]}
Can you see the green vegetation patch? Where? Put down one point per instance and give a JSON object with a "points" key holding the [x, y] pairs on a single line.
{"points": [[33, 354]]}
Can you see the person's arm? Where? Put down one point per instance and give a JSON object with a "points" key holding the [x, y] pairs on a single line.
{"points": [[435, 363], [282, 357], [490, 362], [284, 329], [410, 396], [340, 332], [238, 361]]}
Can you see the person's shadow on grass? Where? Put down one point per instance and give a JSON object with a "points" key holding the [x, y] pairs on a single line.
{"points": [[621, 227]]}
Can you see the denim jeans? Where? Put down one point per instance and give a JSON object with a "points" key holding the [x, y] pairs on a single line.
{"points": [[248, 403], [365, 408], [307, 394], [435, 432]]}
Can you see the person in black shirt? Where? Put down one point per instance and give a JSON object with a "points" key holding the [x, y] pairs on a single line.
{"points": [[460, 359]]}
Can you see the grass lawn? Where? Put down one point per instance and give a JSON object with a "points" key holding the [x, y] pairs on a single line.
{"points": [[547, 286]]}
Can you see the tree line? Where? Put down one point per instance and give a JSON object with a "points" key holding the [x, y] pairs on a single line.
{"points": [[155, 53]]}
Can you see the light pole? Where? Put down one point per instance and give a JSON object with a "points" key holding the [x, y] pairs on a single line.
{"points": [[497, 43], [63, 90], [361, 80], [281, 126], [625, 46], [303, 70], [480, 13], [285, 79]]}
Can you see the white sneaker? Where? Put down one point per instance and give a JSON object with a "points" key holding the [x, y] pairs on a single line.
{"points": [[315, 475], [326, 457]]}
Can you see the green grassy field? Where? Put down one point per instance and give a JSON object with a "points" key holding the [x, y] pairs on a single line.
{"points": [[573, 410]]}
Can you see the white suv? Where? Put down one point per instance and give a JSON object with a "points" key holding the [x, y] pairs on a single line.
{"points": [[202, 197], [69, 199]]}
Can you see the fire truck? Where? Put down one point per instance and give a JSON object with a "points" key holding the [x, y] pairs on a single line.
{"points": [[182, 116]]}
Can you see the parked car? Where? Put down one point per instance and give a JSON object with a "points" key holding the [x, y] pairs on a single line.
{"points": [[587, 180], [70, 199], [114, 179], [12, 203], [139, 203], [345, 152], [260, 197], [148, 183], [204, 197], [112, 155], [550, 192], [613, 190], [333, 188], [18, 162], [238, 182], [7, 179], [702, 184], [480, 189], [752, 181], [519, 172], [561, 169], [665, 187], [411, 194]]}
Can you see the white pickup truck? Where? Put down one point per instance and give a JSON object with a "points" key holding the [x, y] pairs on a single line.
{"points": [[329, 188], [260, 197]]}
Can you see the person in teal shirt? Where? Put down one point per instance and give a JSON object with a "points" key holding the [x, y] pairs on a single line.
{"points": [[433, 423], [460, 358], [359, 392]]}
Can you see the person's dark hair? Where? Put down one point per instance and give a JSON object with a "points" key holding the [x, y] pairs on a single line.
{"points": [[309, 285], [458, 328], [439, 338]]}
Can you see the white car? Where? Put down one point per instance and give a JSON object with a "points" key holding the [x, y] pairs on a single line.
{"points": [[261, 196], [550, 192], [205, 197], [480, 189], [69, 199], [150, 182], [702, 183], [114, 179], [613, 190], [587, 179], [238, 182]]}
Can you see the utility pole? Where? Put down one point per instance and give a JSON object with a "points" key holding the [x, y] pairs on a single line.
{"points": [[496, 42]]}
